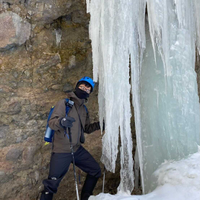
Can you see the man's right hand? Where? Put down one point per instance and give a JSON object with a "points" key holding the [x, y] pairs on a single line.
{"points": [[67, 122]]}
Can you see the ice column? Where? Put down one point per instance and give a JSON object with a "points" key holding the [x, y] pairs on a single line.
{"points": [[170, 114], [115, 32]]}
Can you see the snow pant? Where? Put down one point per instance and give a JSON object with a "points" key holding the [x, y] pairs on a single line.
{"points": [[59, 166]]}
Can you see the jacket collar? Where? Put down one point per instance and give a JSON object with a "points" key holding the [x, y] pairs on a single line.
{"points": [[75, 99]]}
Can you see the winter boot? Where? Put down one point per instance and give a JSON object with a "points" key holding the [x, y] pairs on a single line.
{"points": [[88, 187], [46, 196], [85, 196]]}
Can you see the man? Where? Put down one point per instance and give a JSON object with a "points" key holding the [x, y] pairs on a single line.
{"points": [[78, 121]]}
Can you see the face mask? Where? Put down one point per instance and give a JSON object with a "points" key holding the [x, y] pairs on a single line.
{"points": [[81, 94]]}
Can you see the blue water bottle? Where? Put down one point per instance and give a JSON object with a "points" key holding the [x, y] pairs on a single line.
{"points": [[48, 134]]}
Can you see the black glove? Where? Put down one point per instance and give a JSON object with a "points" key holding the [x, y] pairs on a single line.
{"points": [[67, 122]]}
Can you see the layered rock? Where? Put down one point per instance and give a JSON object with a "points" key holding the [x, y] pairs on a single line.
{"points": [[44, 50], [13, 30]]}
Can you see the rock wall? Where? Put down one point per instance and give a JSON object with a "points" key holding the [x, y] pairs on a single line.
{"points": [[44, 50], [197, 69]]}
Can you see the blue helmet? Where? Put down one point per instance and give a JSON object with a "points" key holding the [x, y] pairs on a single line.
{"points": [[88, 80]]}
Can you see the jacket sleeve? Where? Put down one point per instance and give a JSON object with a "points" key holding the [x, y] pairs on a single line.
{"points": [[57, 115], [89, 128]]}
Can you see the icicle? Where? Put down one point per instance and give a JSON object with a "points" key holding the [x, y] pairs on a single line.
{"points": [[94, 7], [110, 32], [137, 44]]}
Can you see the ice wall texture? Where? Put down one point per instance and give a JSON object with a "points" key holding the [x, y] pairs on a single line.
{"points": [[163, 81]]}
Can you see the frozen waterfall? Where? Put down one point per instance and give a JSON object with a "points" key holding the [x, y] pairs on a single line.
{"points": [[160, 43]]}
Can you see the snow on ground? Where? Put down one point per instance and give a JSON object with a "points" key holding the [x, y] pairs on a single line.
{"points": [[177, 180]]}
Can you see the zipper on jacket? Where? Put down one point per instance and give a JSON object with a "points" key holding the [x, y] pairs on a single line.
{"points": [[80, 126]]}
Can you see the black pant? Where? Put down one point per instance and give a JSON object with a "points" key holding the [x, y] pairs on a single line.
{"points": [[59, 166]]}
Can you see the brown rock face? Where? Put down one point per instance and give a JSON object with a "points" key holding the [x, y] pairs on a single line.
{"points": [[13, 30], [44, 50], [197, 69]]}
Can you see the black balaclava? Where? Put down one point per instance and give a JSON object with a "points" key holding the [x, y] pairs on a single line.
{"points": [[81, 94]]}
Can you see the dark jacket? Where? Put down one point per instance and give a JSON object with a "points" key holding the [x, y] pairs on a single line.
{"points": [[82, 124]]}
